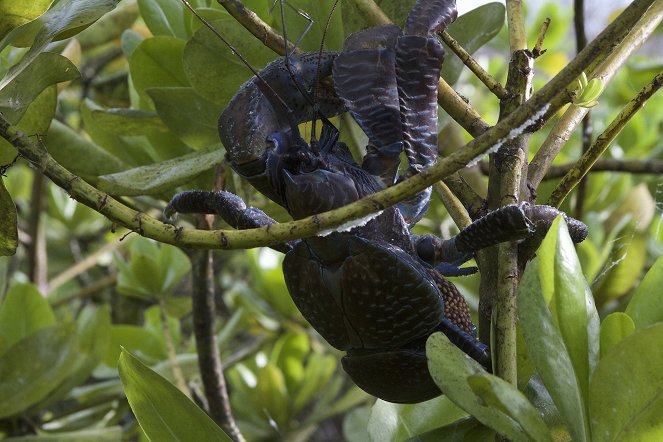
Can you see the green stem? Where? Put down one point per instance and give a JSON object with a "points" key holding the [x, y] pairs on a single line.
{"points": [[516, 23], [571, 179], [606, 70]]}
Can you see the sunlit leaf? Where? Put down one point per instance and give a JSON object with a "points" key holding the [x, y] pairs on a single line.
{"points": [[164, 412], [546, 348], [614, 328], [450, 369], [626, 392], [645, 307]]}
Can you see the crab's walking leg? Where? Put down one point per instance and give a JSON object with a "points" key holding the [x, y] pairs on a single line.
{"points": [[227, 205], [509, 223]]}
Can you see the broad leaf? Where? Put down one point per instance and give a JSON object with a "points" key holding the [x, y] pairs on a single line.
{"points": [[164, 412], [471, 31], [23, 312], [15, 13], [614, 328], [155, 178], [164, 17], [626, 392], [645, 306], [397, 422], [35, 366], [129, 121], [551, 358], [450, 369], [188, 115], [20, 90]]}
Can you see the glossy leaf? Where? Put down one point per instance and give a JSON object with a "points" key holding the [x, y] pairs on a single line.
{"points": [[15, 14], [34, 366], [501, 395], [156, 62], [78, 154], [23, 312], [450, 369], [164, 17], [163, 412], [626, 392], [158, 177], [559, 261], [645, 307], [63, 20], [614, 328], [8, 224], [397, 422], [213, 70], [22, 89], [188, 115], [463, 430], [546, 348], [129, 121], [471, 31]]}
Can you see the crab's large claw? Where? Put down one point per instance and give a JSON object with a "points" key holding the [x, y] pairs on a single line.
{"points": [[388, 80], [275, 102]]}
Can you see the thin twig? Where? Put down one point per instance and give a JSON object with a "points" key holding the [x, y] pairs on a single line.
{"points": [[637, 167], [491, 83], [453, 205], [563, 129], [37, 255], [571, 179], [537, 51], [581, 42]]}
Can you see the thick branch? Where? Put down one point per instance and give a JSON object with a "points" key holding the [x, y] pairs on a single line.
{"points": [[546, 100], [603, 141]]}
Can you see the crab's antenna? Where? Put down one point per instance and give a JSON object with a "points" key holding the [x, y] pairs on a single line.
{"points": [[302, 91], [239, 55], [317, 75]]}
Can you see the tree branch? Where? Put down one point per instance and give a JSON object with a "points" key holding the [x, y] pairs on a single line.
{"points": [[571, 179], [611, 165], [563, 129]]}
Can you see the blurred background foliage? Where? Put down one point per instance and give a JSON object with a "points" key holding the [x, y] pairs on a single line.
{"points": [[140, 124]]}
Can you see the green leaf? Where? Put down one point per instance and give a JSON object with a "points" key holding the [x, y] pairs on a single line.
{"points": [[271, 394], [110, 434], [157, 62], [163, 412], [645, 306], [501, 395], [188, 115], [20, 90], [35, 366], [467, 429], [15, 13], [213, 70], [614, 328], [8, 224], [78, 154], [129, 121], [158, 177], [396, 422], [164, 17], [23, 312], [471, 31], [450, 369], [626, 392], [64, 20], [546, 348], [136, 339]]}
